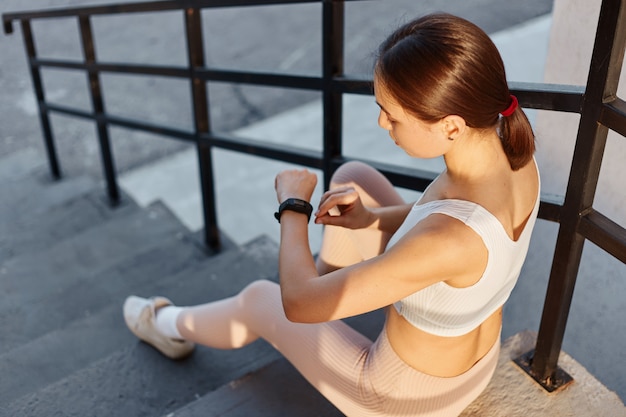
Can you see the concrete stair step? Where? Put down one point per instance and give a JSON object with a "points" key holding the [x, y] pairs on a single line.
{"points": [[20, 164], [275, 390], [26, 321], [28, 233], [35, 194], [138, 381], [94, 366], [36, 211], [30, 277]]}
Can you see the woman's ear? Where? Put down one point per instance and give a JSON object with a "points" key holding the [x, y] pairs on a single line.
{"points": [[453, 126]]}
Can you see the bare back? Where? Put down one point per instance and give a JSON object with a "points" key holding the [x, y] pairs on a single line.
{"points": [[510, 196]]}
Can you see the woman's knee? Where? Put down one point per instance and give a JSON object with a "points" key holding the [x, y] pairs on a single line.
{"points": [[258, 290], [350, 173], [373, 187]]}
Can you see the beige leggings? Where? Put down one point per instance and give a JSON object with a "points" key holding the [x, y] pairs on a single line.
{"points": [[360, 377]]}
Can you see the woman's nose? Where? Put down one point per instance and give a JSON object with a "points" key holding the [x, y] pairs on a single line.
{"points": [[383, 121]]}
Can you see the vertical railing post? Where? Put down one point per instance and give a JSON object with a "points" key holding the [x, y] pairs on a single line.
{"points": [[606, 63], [195, 48], [44, 118], [332, 66], [97, 101]]}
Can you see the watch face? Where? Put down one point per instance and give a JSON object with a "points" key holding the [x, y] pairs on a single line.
{"points": [[295, 204], [299, 205]]}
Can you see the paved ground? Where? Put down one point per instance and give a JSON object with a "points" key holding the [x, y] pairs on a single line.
{"points": [[278, 38]]}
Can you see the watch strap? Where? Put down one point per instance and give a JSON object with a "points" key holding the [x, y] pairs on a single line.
{"points": [[294, 204]]}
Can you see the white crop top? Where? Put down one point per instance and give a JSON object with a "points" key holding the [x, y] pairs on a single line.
{"points": [[444, 310]]}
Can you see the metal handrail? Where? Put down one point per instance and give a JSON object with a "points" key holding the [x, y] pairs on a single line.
{"points": [[597, 103]]}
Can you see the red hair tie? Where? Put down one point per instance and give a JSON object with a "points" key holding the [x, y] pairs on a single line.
{"points": [[509, 110]]}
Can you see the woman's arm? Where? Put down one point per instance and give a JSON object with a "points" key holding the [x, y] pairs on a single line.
{"points": [[389, 219], [438, 248], [352, 214]]}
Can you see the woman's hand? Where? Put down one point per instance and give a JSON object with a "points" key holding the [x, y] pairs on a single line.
{"points": [[352, 213], [295, 183]]}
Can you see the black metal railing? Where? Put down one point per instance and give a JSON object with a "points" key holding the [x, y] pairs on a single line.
{"points": [[597, 103]]}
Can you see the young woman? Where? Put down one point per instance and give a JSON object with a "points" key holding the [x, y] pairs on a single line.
{"points": [[443, 267]]}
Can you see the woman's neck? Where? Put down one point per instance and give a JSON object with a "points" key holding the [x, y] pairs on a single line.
{"points": [[475, 156]]}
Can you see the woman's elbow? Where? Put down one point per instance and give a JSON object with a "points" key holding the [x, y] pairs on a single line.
{"points": [[296, 310], [292, 309], [292, 315]]}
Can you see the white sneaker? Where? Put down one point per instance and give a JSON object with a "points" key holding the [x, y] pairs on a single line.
{"points": [[140, 315]]}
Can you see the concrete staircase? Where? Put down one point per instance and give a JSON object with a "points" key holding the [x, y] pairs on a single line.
{"points": [[68, 260]]}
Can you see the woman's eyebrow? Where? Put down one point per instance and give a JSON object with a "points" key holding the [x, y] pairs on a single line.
{"points": [[381, 107]]}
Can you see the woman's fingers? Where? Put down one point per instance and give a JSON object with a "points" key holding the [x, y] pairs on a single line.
{"points": [[340, 198]]}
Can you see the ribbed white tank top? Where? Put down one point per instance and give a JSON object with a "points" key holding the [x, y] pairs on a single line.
{"points": [[444, 310]]}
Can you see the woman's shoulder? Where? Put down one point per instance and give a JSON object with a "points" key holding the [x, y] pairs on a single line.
{"points": [[445, 243], [516, 199], [510, 197]]}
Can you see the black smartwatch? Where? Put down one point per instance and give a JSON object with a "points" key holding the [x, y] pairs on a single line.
{"points": [[294, 204]]}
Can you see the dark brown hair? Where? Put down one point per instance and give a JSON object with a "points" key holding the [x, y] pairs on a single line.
{"points": [[440, 65]]}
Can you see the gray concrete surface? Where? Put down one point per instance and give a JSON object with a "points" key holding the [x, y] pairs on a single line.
{"points": [[292, 44], [282, 38]]}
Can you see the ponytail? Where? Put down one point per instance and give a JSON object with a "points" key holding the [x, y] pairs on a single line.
{"points": [[518, 140]]}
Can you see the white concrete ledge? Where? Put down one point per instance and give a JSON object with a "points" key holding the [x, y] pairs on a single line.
{"points": [[512, 393]]}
